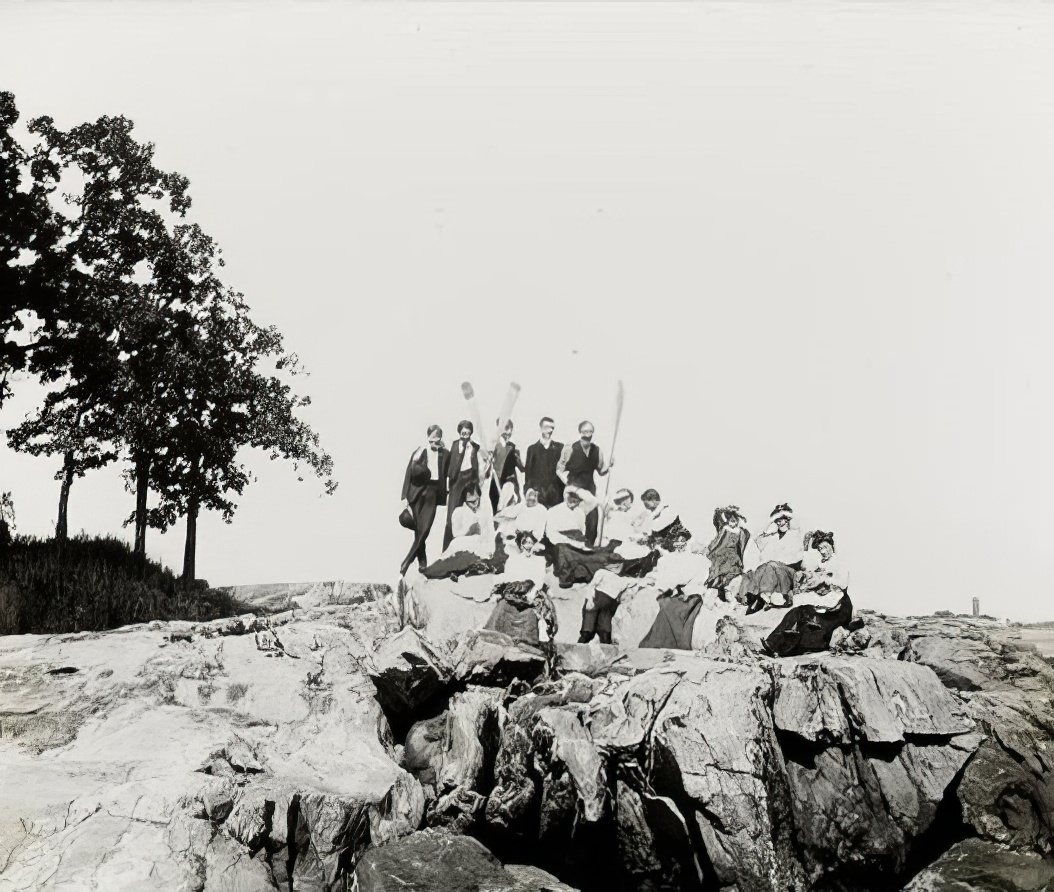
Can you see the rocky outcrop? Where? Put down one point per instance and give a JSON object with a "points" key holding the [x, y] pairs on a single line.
{"points": [[1007, 788], [313, 746], [976, 865], [241, 754]]}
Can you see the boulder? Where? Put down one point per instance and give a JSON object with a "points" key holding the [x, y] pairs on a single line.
{"points": [[717, 756], [493, 658], [976, 865], [408, 671], [432, 861]]}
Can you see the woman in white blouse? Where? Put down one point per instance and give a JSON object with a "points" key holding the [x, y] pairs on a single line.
{"points": [[822, 594]]}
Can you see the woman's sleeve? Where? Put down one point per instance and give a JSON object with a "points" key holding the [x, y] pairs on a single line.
{"points": [[839, 578]]}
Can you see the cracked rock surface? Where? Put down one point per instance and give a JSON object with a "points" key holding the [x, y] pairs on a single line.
{"points": [[319, 748], [231, 755]]}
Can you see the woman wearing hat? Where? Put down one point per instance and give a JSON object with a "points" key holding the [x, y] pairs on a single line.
{"points": [[781, 547], [823, 595], [726, 549]]}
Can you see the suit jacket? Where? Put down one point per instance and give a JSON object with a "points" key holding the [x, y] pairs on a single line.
{"points": [[417, 476], [507, 461], [540, 472], [454, 459]]}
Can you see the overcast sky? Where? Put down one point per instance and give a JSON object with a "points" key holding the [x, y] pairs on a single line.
{"points": [[815, 241]]}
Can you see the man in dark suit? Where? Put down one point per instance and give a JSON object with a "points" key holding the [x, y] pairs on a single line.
{"points": [[578, 463], [424, 487], [462, 474], [540, 467]]}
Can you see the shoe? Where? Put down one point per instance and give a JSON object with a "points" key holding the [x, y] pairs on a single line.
{"points": [[765, 649]]}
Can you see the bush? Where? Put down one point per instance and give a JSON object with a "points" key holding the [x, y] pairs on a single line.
{"points": [[91, 584]]}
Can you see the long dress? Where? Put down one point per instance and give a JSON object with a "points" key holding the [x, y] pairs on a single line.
{"points": [[468, 563], [521, 599], [808, 627], [773, 579], [726, 556], [675, 622]]}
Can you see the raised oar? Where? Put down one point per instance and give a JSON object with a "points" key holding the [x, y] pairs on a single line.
{"points": [[619, 394]]}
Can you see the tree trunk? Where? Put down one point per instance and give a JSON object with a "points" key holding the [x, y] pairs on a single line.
{"points": [[62, 524], [142, 487], [190, 549]]}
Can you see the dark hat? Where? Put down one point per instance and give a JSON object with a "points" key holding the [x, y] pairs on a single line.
{"points": [[406, 518], [783, 510], [820, 536]]}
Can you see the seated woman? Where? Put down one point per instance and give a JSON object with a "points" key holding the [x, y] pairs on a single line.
{"points": [[529, 514], [667, 531], [522, 595], [780, 548], [470, 552], [822, 593], [726, 550], [574, 561], [627, 530]]}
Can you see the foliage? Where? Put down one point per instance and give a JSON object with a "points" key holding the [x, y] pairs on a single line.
{"points": [[29, 232], [7, 520], [91, 584], [149, 358]]}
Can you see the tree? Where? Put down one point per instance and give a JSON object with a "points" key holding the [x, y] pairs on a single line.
{"points": [[30, 274], [108, 347], [234, 398]]}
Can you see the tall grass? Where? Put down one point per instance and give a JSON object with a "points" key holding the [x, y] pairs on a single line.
{"points": [[91, 584]]}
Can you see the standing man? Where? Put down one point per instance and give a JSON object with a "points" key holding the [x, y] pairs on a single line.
{"points": [[578, 462], [462, 474], [540, 467], [506, 489], [424, 487]]}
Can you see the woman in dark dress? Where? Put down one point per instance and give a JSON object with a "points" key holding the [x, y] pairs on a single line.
{"points": [[824, 584], [726, 549]]}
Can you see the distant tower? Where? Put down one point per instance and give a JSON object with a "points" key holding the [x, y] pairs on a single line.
{"points": [[976, 606]]}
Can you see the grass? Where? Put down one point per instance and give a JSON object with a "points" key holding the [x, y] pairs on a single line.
{"points": [[92, 584]]}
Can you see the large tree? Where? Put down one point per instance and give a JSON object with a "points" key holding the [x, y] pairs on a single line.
{"points": [[235, 397], [107, 350], [147, 355], [31, 271]]}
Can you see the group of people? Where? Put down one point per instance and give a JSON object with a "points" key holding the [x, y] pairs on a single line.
{"points": [[555, 520]]}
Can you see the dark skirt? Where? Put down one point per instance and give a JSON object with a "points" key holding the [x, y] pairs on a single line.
{"points": [[571, 564], [808, 629], [676, 620], [726, 558], [517, 620], [769, 578], [468, 563]]}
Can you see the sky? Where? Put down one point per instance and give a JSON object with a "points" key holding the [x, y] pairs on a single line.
{"points": [[813, 241]]}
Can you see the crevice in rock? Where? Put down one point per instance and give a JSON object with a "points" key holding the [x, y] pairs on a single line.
{"points": [[799, 750], [292, 822], [666, 780], [948, 828]]}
